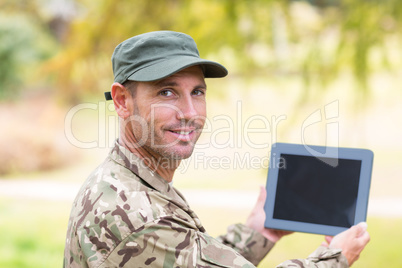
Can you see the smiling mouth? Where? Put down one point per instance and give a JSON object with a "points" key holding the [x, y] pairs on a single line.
{"points": [[183, 135], [181, 132]]}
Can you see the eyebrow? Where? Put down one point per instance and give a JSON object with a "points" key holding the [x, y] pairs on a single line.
{"points": [[164, 83]]}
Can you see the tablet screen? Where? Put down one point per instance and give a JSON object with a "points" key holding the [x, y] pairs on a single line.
{"points": [[317, 189], [310, 190]]}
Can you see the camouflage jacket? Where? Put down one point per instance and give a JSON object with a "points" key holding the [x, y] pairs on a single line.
{"points": [[127, 216]]}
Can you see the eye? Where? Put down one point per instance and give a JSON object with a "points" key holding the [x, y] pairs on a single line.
{"points": [[166, 93], [198, 92]]}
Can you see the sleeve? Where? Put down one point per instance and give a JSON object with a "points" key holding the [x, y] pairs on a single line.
{"points": [[323, 257], [170, 242], [249, 243]]}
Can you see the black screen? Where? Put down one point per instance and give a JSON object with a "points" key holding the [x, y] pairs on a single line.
{"points": [[311, 190]]}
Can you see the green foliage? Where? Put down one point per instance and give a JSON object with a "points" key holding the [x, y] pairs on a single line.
{"points": [[263, 36], [365, 26], [22, 46], [317, 40]]}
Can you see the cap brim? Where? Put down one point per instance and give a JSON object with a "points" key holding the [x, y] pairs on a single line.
{"points": [[162, 69]]}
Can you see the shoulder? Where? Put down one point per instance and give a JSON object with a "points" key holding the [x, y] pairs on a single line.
{"points": [[113, 204], [114, 193]]}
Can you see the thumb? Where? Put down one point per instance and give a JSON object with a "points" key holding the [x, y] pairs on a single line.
{"points": [[328, 239], [360, 229], [261, 197]]}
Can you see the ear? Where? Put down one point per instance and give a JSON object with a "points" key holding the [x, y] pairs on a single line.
{"points": [[122, 100]]}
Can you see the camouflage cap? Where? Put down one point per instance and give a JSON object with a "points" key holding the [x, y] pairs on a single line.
{"points": [[157, 55]]}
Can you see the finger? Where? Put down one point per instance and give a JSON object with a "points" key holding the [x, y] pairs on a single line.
{"points": [[261, 197], [263, 193], [328, 239], [360, 229], [364, 238]]}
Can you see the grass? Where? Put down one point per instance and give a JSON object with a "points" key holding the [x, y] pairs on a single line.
{"points": [[33, 232]]}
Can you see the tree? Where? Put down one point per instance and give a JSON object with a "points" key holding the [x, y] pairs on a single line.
{"points": [[316, 39]]}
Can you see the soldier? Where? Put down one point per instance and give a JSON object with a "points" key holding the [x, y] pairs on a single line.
{"points": [[127, 214]]}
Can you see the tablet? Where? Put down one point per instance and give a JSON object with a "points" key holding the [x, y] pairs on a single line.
{"points": [[317, 189]]}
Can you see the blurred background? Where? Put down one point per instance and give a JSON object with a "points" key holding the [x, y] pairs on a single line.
{"points": [[324, 72]]}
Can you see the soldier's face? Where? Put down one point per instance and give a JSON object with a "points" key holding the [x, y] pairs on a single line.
{"points": [[169, 114]]}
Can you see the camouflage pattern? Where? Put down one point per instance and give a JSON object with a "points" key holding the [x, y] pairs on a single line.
{"points": [[127, 216], [322, 257]]}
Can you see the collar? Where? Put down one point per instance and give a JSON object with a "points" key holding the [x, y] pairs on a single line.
{"points": [[124, 157]]}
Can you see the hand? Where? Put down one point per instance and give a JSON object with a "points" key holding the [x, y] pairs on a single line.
{"points": [[351, 241], [257, 218]]}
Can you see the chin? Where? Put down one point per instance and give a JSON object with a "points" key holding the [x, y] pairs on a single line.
{"points": [[181, 157], [178, 154]]}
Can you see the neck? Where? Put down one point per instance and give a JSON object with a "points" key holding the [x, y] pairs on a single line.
{"points": [[163, 166]]}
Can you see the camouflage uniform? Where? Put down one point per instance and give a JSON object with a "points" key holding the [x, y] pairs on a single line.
{"points": [[127, 216]]}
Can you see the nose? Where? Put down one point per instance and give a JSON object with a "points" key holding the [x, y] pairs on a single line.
{"points": [[187, 109]]}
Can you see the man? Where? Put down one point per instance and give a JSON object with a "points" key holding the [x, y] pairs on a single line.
{"points": [[127, 214]]}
